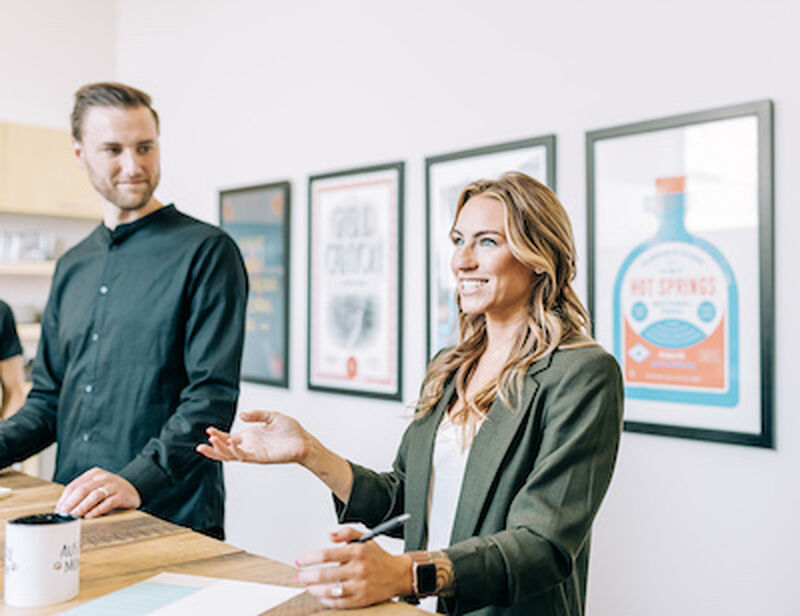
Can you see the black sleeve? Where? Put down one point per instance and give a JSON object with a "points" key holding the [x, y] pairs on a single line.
{"points": [[214, 335], [9, 341]]}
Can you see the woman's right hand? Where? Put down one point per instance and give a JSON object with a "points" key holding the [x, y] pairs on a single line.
{"points": [[274, 438]]}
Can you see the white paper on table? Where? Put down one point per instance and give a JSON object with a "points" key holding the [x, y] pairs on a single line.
{"points": [[218, 596]]}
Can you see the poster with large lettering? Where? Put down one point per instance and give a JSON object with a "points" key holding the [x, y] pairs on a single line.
{"points": [[680, 221], [446, 176], [355, 282], [257, 218]]}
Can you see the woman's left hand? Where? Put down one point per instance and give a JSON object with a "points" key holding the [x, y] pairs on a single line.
{"points": [[357, 574]]}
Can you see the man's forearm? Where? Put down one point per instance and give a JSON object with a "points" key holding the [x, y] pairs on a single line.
{"points": [[25, 433]]}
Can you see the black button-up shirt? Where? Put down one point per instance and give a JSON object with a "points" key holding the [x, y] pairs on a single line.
{"points": [[140, 351]]}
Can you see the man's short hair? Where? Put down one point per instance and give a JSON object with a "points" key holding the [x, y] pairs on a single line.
{"points": [[106, 94]]}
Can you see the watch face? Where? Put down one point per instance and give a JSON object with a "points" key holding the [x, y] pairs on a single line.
{"points": [[426, 579]]}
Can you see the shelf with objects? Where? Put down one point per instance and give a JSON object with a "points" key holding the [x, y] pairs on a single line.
{"points": [[30, 245]]}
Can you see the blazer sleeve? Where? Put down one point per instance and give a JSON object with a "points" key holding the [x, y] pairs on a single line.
{"points": [[550, 516], [376, 497]]}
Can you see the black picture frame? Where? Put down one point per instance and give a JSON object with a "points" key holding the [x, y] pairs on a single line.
{"points": [[355, 305], [258, 218], [724, 186], [446, 175]]}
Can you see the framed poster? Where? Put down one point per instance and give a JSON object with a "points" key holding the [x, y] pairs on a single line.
{"points": [[355, 290], [680, 251], [446, 175], [258, 219]]}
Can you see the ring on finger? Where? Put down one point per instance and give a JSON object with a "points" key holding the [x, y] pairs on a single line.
{"points": [[104, 491], [337, 590]]}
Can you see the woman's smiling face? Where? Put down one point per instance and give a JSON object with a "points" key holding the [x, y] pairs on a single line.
{"points": [[490, 279]]}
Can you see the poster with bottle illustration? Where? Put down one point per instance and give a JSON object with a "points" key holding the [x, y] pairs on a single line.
{"points": [[257, 218], [355, 282], [680, 220], [446, 177]]}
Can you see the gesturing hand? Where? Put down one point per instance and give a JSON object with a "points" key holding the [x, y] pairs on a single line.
{"points": [[365, 573], [96, 492], [273, 438]]}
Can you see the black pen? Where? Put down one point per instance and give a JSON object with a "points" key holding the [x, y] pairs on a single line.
{"points": [[384, 527]]}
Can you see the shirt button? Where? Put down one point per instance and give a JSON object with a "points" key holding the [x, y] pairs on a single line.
{"points": [[88, 389], [85, 438], [95, 337], [103, 290]]}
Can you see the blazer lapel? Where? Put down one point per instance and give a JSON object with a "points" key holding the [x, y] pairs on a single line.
{"points": [[487, 453], [418, 471]]}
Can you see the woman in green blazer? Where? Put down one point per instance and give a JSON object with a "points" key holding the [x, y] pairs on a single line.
{"points": [[537, 409]]}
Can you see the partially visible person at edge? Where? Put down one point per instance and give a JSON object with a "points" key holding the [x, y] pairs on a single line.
{"points": [[512, 448], [12, 379], [141, 337]]}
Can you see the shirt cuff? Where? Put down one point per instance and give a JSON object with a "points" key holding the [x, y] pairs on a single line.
{"points": [[480, 575], [146, 476], [357, 508]]}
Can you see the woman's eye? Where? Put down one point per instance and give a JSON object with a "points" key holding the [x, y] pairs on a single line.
{"points": [[487, 241], [457, 241]]}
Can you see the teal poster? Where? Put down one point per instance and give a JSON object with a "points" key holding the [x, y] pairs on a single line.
{"points": [[257, 218]]}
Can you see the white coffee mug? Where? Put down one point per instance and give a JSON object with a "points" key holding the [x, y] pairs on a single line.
{"points": [[42, 559]]}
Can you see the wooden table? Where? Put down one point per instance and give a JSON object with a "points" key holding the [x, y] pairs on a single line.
{"points": [[126, 547]]}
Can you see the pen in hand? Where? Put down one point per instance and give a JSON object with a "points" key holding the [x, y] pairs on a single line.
{"points": [[383, 527]]}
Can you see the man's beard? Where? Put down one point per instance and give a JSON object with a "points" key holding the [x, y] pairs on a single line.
{"points": [[125, 200], [126, 205]]}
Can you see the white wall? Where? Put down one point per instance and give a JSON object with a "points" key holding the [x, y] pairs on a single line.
{"points": [[48, 48], [252, 92]]}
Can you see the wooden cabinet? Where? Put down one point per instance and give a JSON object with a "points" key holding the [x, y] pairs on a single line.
{"points": [[39, 175], [27, 268], [42, 188]]}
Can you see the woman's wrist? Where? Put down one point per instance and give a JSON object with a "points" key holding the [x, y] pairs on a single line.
{"points": [[333, 470], [404, 576], [431, 574], [310, 453]]}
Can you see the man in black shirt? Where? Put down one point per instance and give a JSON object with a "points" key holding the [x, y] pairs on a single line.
{"points": [[141, 337], [12, 391]]}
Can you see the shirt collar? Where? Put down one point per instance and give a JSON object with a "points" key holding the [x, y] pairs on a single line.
{"points": [[124, 231]]}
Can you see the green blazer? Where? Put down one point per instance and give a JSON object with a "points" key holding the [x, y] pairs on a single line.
{"points": [[535, 477]]}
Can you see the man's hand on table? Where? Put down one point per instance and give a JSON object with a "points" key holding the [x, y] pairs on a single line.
{"points": [[97, 492]]}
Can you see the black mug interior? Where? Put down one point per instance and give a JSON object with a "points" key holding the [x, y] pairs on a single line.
{"points": [[44, 518]]}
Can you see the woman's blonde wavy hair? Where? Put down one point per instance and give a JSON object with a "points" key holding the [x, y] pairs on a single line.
{"points": [[539, 235]]}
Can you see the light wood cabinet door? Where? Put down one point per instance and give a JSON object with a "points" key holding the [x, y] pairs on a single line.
{"points": [[40, 176], [3, 169]]}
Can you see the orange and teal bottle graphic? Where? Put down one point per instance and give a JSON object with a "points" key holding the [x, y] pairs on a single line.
{"points": [[676, 313]]}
